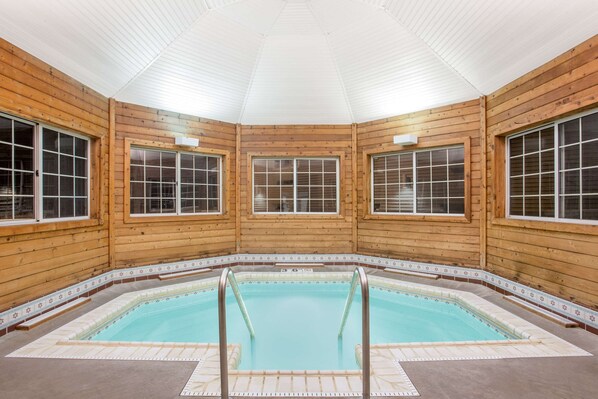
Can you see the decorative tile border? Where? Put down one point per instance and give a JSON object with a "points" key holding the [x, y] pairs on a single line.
{"points": [[10, 318]]}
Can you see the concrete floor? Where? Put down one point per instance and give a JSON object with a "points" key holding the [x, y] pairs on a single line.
{"points": [[542, 378]]}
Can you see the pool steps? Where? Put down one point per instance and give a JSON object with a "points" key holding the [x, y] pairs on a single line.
{"points": [[541, 312], [36, 321], [412, 274], [171, 276]]}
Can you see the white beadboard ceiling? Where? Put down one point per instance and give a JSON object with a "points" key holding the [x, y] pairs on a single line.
{"points": [[296, 61]]}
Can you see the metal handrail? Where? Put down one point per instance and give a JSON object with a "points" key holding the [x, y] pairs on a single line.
{"points": [[365, 324], [227, 274]]}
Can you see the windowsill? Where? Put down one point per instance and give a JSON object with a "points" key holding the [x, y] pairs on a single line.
{"points": [[423, 218], [560, 226], [176, 218], [16, 229], [295, 216]]}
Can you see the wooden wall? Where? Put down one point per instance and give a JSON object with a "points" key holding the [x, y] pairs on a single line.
{"points": [[559, 258], [296, 233], [40, 258], [444, 240], [141, 241]]}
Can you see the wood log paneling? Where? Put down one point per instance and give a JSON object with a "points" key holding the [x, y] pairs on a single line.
{"points": [[296, 233], [563, 263], [441, 240], [177, 238], [37, 259]]}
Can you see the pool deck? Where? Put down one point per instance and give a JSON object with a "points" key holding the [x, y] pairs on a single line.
{"points": [[546, 377]]}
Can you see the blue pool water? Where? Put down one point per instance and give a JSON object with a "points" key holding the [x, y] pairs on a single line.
{"points": [[296, 324]]}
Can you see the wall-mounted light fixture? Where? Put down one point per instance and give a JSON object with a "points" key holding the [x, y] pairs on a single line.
{"points": [[405, 139], [187, 141]]}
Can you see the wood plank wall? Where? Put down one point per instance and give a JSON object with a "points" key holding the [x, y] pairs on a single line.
{"points": [[41, 258], [559, 258], [446, 242], [147, 241], [295, 233], [38, 259]]}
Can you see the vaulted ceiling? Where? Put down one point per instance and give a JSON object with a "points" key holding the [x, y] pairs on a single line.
{"points": [[296, 61]]}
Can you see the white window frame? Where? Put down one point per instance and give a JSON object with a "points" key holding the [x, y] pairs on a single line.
{"points": [[414, 166], [557, 182], [38, 175], [178, 183], [295, 159]]}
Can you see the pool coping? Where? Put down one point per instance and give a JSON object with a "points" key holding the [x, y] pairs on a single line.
{"points": [[387, 376]]}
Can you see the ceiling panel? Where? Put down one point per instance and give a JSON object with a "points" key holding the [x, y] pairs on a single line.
{"points": [[100, 43], [492, 43], [205, 73], [387, 71]]}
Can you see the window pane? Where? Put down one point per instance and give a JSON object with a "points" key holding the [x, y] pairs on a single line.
{"points": [[187, 161], [516, 146], [589, 127], [67, 207], [516, 166], [23, 207], [457, 205], [589, 181], [547, 139], [570, 157], [50, 161], [136, 157], [547, 206], [80, 207], [532, 206], [547, 183], [80, 167], [66, 144], [6, 132], [5, 156], [80, 147], [589, 154], [569, 207], [50, 140], [590, 207], [531, 142], [24, 183], [50, 206], [516, 206], [570, 182], [66, 165], [569, 132], [5, 205], [532, 163], [23, 158], [66, 186], [50, 185], [547, 161]]}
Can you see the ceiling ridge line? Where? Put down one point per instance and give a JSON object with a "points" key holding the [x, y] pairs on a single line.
{"points": [[161, 52], [258, 59], [430, 49], [334, 61]]}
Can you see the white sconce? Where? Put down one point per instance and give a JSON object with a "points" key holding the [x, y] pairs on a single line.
{"points": [[186, 141], [405, 139]]}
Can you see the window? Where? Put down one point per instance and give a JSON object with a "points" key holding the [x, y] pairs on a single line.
{"points": [[157, 177], [419, 182], [295, 185], [60, 160], [553, 171], [65, 175]]}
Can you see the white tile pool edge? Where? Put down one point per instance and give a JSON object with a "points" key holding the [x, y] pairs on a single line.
{"points": [[13, 316]]}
